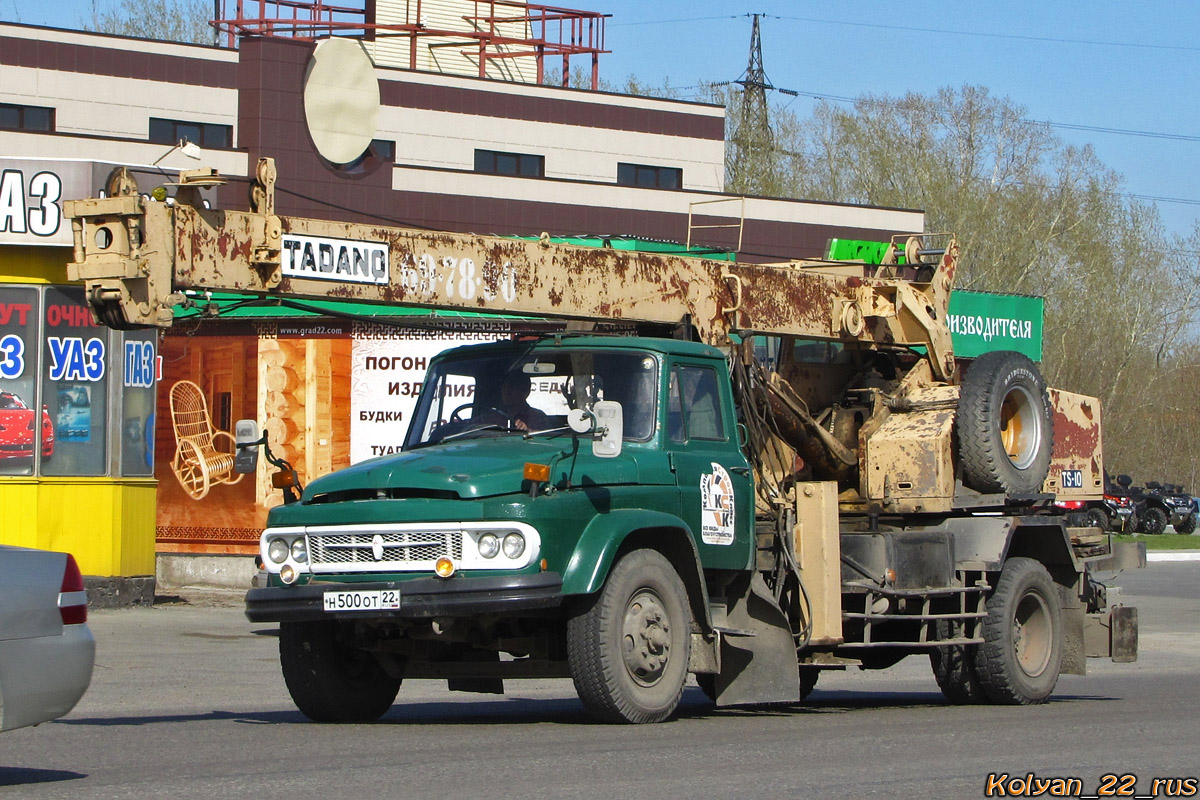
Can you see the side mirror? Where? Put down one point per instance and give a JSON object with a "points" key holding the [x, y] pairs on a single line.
{"points": [[605, 422], [1124, 480], [245, 458], [611, 426]]}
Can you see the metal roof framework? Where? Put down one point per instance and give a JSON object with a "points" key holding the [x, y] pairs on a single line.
{"points": [[554, 30]]}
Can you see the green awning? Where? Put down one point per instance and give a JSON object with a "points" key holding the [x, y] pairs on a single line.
{"points": [[235, 305]]}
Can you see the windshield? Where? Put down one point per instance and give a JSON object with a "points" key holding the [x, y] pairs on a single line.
{"points": [[523, 392]]}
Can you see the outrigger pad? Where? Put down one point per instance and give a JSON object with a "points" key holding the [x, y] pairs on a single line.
{"points": [[758, 654]]}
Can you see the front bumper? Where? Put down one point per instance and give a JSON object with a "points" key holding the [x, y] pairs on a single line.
{"points": [[420, 598], [1178, 514]]}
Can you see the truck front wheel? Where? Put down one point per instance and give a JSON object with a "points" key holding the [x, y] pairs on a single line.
{"points": [[628, 645], [1019, 660], [330, 680]]}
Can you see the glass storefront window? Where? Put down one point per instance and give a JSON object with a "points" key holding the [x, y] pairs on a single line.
{"points": [[20, 424], [75, 383], [137, 403]]}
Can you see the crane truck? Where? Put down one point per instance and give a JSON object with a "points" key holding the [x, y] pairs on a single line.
{"points": [[783, 471]]}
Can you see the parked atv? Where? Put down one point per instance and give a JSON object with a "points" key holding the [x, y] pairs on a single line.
{"points": [[1158, 505], [1118, 505], [1113, 513], [1183, 508]]}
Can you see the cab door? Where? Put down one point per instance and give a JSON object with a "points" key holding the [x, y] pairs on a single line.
{"points": [[713, 474]]}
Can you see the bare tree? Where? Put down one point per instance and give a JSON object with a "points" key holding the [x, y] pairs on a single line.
{"points": [[1033, 216], [170, 20]]}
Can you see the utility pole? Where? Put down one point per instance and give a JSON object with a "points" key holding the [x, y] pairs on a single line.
{"points": [[753, 141]]}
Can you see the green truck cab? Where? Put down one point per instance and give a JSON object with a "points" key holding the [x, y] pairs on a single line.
{"points": [[498, 528]]}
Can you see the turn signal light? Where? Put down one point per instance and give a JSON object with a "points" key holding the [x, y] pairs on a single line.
{"points": [[283, 479], [539, 473], [444, 567]]}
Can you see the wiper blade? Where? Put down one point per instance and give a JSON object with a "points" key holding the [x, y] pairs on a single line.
{"points": [[491, 426], [548, 431]]}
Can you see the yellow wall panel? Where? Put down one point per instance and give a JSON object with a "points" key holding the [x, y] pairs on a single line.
{"points": [[34, 264], [107, 525]]}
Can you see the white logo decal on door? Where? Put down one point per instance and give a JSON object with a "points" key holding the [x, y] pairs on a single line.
{"points": [[717, 506]]}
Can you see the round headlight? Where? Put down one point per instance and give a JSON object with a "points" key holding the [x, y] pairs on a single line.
{"points": [[277, 550], [288, 574], [489, 545], [514, 545], [299, 550]]}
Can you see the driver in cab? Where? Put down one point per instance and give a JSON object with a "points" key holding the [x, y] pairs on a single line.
{"points": [[514, 409]]}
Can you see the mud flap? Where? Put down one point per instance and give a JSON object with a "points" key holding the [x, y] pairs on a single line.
{"points": [[758, 655], [1113, 634]]}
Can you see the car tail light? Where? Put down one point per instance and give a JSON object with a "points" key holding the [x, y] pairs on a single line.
{"points": [[72, 598], [1070, 505]]}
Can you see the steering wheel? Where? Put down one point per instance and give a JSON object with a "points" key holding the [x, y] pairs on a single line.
{"points": [[455, 416]]}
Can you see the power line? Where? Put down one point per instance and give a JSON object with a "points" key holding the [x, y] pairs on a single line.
{"points": [[765, 85], [915, 29], [1179, 137], [1011, 36], [1182, 137], [670, 21], [1156, 199]]}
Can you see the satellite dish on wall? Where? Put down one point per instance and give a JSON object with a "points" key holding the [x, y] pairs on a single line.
{"points": [[341, 99]]}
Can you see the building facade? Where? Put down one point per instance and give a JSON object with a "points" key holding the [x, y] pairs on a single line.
{"points": [[443, 151]]}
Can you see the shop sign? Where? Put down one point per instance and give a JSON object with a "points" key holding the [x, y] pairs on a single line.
{"points": [[388, 370], [980, 322], [32, 193]]}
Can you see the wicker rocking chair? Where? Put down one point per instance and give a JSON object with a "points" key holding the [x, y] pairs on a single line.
{"points": [[198, 464]]}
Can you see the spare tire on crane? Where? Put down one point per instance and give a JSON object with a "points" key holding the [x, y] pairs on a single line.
{"points": [[1005, 425]]}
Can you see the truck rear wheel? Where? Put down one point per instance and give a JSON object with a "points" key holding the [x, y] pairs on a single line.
{"points": [[1005, 427], [1019, 660], [628, 647], [329, 680], [954, 669]]}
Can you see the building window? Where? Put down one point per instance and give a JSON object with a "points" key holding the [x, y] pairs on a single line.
{"points": [[522, 164], [205, 134], [26, 118], [383, 149], [646, 177]]}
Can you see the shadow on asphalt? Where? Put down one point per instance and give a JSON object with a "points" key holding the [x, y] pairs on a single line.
{"points": [[21, 776], [568, 710]]}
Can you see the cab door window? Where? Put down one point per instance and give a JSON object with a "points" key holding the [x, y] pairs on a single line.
{"points": [[694, 405]]}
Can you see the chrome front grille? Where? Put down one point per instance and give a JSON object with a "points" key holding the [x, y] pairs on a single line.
{"points": [[369, 550]]}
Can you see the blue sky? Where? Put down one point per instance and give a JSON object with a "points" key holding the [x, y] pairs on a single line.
{"points": [[1125, 66]]}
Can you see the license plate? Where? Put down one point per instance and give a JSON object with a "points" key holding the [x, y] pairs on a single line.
{"points": [[362, 600]]}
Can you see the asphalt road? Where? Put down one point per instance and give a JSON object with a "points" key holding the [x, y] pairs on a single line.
{"points": [[187, 701]]}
